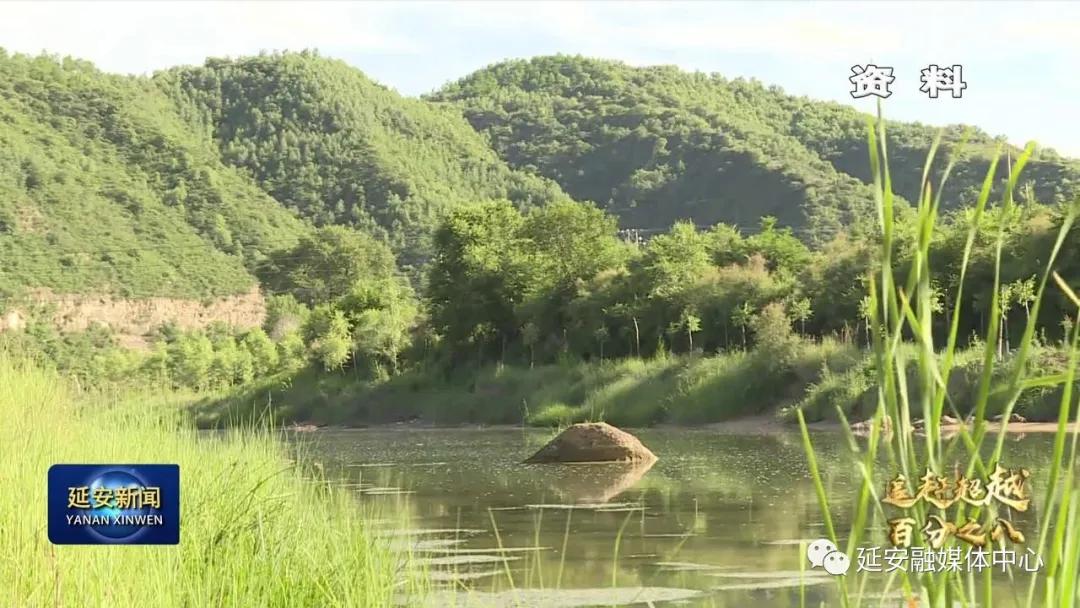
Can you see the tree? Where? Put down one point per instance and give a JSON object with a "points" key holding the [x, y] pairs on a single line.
{"points": [[625, 314], [263, 352], [190, 357], [601, 334], [800, 312], [742, 318], [778, 246], [327, 336], [866, 314], [382, 317], [1020, 292], [292, 352], [725, 245], [284, 313], [156, 366], [563, 246], [566, 242], [476, 277], [776, 343], [1006, 301], [328, 264], [674, 260], [691, 323], [937, 304], [1024, 293], [230, 365], [529, 336]]}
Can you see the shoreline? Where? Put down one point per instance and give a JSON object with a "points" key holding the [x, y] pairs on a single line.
{"points": [[749, 425], [727, 392]]}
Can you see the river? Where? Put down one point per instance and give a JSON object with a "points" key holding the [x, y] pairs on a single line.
{"points": [[717, 521]]}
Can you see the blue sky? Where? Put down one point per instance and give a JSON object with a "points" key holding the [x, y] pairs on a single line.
{"points": [[1021, 60]]}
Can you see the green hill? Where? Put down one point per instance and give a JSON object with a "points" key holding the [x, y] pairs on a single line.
{"points": [[657, 144], [104, 189], [337, 148], [184, 183]]}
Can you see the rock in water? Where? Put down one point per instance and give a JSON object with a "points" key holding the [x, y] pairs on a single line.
{"points": [[863, 429], [593, 442]]}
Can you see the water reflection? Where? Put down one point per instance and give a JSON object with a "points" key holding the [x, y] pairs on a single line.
{"points": [[716, 521], [596, 482]]}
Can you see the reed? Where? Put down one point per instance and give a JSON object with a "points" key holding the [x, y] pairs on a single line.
{"points": [[253, 533], [902, 313]]}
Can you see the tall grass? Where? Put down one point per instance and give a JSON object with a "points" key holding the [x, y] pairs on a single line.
{"points": [[253, 532], [632, 392], [902, 312]]}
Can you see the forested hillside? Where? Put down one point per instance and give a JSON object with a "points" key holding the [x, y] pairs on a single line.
{"points": [[657, 144], [389, 236], [337, 148], [104, 189], [186, 183]]}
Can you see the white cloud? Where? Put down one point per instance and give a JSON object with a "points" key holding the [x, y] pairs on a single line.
{"points": [[124, 36], [1015, 54], [129, 37]]}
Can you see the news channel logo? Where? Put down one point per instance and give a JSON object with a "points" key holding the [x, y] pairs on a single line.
{"points": [[114, 504]]}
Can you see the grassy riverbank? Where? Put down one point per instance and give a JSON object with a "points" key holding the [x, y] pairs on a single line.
{"points": [[253, 532], [629, 392], [689, 390]]}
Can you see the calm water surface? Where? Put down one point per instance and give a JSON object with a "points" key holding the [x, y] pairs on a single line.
{"points": [[717, 521]]}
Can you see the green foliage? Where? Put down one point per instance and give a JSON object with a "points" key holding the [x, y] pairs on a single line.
{"points": [[223, 561], [775, 340], [292, 353], [104, 189], [327, 335], [337, 148], [327, 264], [190, 358], [777, 245], [674, 260], [475, 277], [630, 392], [200, 179], [263, 353], [800, 311], [898, 307], [284, 314], [382, 316], [557, 282], [848, 389], [655, 145], [215, 358], [555, 415], [231, 365]]}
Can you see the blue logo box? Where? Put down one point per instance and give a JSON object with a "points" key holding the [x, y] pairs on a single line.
{"points": [[114, 504]]}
